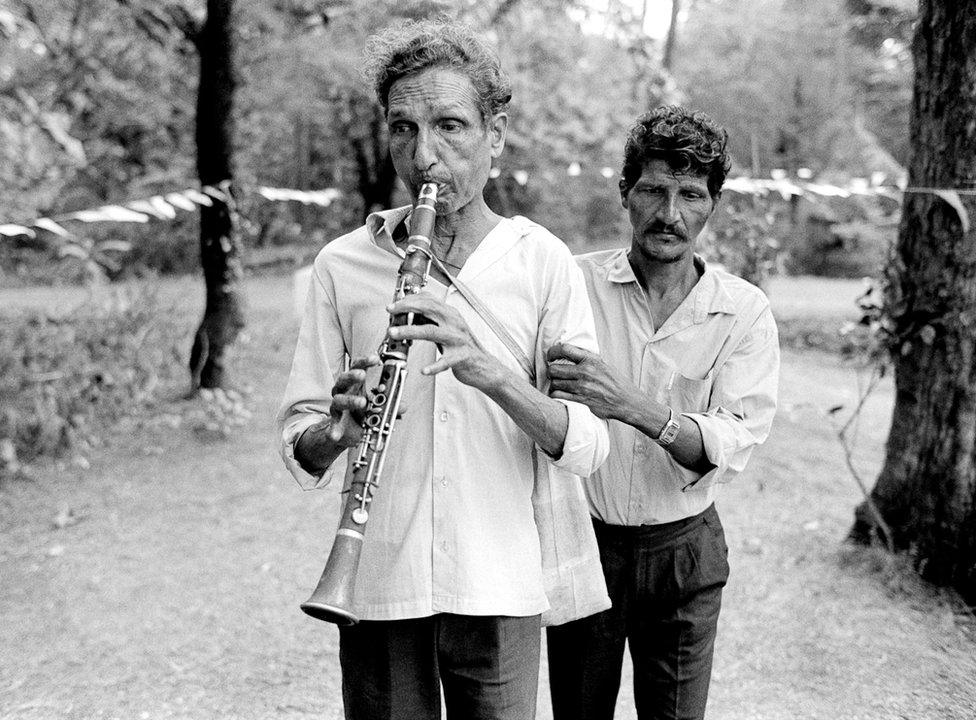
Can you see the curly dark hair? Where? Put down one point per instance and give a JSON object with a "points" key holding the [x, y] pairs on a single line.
{"points": [[689, 142], [415, 46]]}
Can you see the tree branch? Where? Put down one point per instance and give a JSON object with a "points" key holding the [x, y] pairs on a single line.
{"points": [[32, 18], [885, 530], [503, 9], [160, 23]]}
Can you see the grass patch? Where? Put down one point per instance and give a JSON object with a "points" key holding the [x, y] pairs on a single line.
{"points": [[65, 380]]}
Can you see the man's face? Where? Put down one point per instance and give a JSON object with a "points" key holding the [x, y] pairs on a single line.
{"points": [[437, 134], [668, 211]]}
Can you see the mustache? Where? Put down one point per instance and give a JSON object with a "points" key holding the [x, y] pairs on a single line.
{"points": [[660, 227], [432, 179]]}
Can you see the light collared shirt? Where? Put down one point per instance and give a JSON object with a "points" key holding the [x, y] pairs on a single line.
{"points": [[715, 361], [451, 526]]}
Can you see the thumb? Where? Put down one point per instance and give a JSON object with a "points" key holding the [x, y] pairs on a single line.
{"points": [[567, 351], [340, 427]]}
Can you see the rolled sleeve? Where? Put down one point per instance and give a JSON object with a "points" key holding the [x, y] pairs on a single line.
{"points": [[742, 406], [308, 394], [587, 442], [568, 318], [290, 433]]}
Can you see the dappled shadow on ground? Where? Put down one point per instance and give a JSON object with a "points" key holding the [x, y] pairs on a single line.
{"points": [[164, 580]]}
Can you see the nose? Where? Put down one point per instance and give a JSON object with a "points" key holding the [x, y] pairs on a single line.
{"points": [[668, 209], [424, 152]]}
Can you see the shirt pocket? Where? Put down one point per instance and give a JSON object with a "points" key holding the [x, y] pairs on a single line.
{"points": [[687, 394]]}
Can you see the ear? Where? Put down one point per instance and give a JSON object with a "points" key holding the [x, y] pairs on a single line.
{"points": [[497, 129], [624, 192], [715, 198]]}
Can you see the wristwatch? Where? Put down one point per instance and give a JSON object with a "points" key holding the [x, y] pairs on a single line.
{"points": [[669, 432]]}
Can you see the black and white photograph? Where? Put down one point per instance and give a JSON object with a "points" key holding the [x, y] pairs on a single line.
{"points": [[487, 360]]}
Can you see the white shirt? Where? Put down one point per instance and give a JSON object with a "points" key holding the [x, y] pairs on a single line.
{"points": [[451, 526], [715, 361]]}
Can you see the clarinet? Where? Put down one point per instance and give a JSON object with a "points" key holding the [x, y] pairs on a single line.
{"points": [[332, 599]]}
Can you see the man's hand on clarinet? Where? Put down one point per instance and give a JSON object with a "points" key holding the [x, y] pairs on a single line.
{"points": [[349, 402], [460, 350], [585, 377]]}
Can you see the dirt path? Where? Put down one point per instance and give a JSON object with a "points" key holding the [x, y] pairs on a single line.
{"points": [[175, 595]]}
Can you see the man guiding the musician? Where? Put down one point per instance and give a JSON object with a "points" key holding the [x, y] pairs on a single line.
{"points": [[687, 379], [449, 590]]}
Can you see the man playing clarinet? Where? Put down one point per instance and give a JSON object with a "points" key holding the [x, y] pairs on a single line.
{"points": [[449, 588]]}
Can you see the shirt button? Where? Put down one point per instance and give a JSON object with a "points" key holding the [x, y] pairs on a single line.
{"points": [[444, 416]]}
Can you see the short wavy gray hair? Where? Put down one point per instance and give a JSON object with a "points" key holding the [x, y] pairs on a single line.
{"points": [[687, 141], [414, 46]]}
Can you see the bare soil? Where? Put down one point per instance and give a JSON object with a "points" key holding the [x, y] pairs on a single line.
{"points": [[163, 580]]}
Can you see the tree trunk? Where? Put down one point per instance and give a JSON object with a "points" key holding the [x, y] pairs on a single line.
{"points": [[927, 487], [220, 239], [376, 174], [671, 42]]}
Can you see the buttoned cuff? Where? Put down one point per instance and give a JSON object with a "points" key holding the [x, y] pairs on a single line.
{"points": [[587, 441], [718, 441], [290, 433]]}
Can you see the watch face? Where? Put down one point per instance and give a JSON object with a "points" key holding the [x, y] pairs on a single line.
{"points": [[670, 432]]}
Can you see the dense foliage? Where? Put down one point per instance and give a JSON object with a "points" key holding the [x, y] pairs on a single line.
{"points": [[788, 78], [96, 105]]}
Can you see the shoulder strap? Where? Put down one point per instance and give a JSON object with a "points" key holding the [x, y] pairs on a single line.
{"points": [[490, 319]]}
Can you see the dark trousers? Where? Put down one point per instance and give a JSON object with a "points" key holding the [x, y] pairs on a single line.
{"points": [[394, 670], [665, 582]]}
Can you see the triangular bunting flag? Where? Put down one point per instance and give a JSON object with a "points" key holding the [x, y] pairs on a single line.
{"points": [[198, 197], [162, 206], [179, 200], [11, 230], [51, 226]]}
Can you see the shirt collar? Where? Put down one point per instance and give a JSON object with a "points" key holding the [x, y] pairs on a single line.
{"points": [[709, 295], [619, 269], [380, 226]]}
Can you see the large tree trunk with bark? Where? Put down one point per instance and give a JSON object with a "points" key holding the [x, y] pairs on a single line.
{"points": [[927, 487], [220, 240]]}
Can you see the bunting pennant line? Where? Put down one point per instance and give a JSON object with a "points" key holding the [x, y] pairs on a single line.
{"points": [[787, 188], [778, 182], [161, 207], [936, 191], [164, 206], [316, 197]]}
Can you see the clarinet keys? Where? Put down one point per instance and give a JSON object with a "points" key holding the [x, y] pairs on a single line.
{"points": [[360, 516], [332, 599]]}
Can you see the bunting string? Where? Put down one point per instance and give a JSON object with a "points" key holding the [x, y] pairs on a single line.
{"points": [[163, 207]]}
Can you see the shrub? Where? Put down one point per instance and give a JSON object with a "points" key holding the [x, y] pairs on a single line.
{"points": [[64, 381], [740, 238], [854, 250]]}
